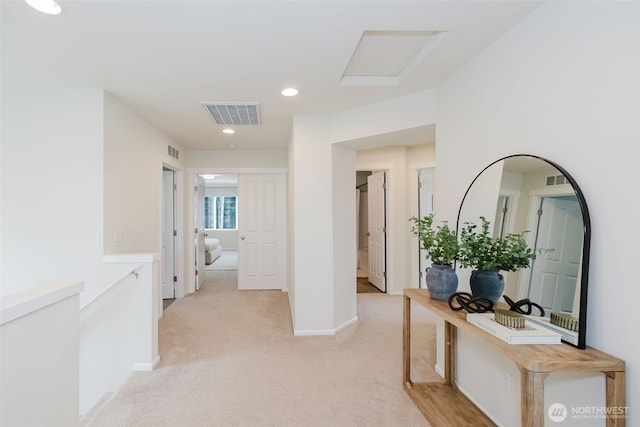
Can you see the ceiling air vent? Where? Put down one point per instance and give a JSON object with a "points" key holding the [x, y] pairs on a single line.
{"points": [[232, 113], [172, 152], [555, 180]]}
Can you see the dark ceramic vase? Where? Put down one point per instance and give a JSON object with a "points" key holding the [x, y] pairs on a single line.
{"points": [[442, 281], [487, 284]]}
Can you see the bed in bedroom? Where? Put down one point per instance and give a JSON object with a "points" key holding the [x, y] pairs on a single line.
{"points": [[212, 249]]}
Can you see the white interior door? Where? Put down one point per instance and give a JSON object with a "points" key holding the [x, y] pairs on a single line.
{"points": [[168, 235], [261, 231], [199, 231], [425, 207], [377, 230], [554, 275]]}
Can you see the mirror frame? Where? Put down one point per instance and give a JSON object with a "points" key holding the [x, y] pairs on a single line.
{"points": [[586, 243]]}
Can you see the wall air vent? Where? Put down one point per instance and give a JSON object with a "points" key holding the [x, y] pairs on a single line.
{"points": [[172, 152], [233, 113], [555, 180]]}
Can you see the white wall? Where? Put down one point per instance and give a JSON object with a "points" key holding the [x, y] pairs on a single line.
{"points": [[119, 328], [562, 84], [134, 154], [344, 224], [52, 180], [39, 356], [311, 200], [421, 156], [405, 112], [236, 159], [291, 229], [314, 232]]}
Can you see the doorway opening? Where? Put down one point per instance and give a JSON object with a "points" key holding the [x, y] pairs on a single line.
{"points": [[371, 231], [216, 219], [425, 186], [249, 224], [171, 266], [220, 222], [169, 236]]}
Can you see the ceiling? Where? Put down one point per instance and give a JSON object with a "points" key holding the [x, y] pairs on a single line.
{"points": [[164, 58]]}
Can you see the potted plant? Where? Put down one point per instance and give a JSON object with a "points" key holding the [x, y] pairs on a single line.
{"points": [[489, 255], [441, 246]]}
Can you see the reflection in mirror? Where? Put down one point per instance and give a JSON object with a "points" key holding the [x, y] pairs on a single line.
{"points": [[529, 193]]}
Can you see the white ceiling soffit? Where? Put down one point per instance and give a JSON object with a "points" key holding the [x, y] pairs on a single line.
{"points": [[421, 135], [233, 113], [386, 58]]}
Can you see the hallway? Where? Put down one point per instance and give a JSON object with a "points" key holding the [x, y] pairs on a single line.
{"points": [[228, 357]]}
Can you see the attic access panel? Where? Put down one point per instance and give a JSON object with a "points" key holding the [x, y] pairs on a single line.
{"points": [[386, 58]]}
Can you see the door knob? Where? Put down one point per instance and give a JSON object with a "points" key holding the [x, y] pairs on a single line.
{"points": [[241, 237]]}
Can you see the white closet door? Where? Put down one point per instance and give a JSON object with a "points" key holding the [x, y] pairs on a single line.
{"points": [[555, 275]]}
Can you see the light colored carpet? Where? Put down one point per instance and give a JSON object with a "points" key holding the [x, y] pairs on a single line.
{"points": [[229, 358], [228, 260]]}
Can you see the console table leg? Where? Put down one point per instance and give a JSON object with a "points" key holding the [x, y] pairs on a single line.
{"points": [[406, 342], [449, 354], [615, 390], [532, 398]]}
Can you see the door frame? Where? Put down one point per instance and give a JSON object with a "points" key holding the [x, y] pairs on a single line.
{"points": [[200, 264], [389, 215], [191, 173], [414, 253], [418, 256], [178, 179], [169, 212], [370, 201]]}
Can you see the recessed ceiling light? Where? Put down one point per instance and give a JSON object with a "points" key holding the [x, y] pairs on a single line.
{"points": [[290, 91], [45, 6], [229, 131]]}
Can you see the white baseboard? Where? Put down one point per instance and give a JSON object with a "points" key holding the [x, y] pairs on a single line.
{"points": [[85, 419], [312, 332], [346, 324], [317, 332], [146, 367]]}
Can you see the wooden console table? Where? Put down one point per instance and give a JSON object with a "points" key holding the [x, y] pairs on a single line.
{"points": [[443, 404]]}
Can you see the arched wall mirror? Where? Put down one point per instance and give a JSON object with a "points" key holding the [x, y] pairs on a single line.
{"points": [[524, 192]]}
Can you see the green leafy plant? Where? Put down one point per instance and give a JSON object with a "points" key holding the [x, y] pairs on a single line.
{"points": [[479, 250], [440, 242]]}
